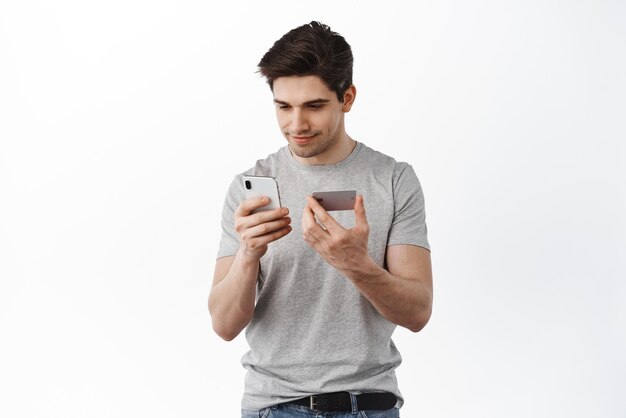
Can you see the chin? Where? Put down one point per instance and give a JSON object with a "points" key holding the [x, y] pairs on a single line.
{"points": [[301, 151], [311, 149]]}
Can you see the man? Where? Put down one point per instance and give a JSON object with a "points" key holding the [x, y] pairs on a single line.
{"points": [[321, 293]]}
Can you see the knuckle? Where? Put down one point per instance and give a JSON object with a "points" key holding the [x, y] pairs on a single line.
{"points": [[259, 218]]}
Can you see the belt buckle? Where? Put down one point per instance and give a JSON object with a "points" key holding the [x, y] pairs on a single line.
{"points": [[312, 402]]}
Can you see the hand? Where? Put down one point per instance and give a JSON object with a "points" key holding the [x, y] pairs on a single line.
{"points": [[257, 230], [344, 249]]}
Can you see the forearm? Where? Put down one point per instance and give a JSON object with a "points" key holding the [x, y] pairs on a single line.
{"points": [[404, 301], [232, 300]]}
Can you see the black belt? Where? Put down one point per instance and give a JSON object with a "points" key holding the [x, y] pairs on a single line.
{"points": [[340, 401]]}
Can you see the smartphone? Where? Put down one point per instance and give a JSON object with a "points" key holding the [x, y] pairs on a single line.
{"points": [[336, 200], [256, 186]]}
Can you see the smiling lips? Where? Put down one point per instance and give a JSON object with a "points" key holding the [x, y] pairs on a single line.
{"points": [[302, 139]]}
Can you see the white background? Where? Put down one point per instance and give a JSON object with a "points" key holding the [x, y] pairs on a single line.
{"points": [[123, 122]]}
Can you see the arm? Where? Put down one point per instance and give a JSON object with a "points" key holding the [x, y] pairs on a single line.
{"points": [[402, 294], [233, 294]]}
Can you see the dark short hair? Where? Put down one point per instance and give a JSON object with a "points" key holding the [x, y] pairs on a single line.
{"points": [[311, 49]]}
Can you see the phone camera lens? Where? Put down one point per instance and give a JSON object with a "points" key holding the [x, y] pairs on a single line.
{"points": [[248, 185]]}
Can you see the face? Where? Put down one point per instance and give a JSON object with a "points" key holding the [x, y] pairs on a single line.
{"points": [[310, 116]]}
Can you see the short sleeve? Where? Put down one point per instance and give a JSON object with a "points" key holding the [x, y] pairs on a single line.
{"points": [[229, 242], [409, 220]]}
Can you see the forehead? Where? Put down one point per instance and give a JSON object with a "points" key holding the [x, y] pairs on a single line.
{"points": [[300, 89]]}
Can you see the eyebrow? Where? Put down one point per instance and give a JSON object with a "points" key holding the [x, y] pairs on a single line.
{"points": [[307, 103]]}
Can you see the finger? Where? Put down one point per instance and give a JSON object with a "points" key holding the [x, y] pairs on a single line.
{"points": [[274, 236], [248, 221], [359, 211], [266, 228], [247, 206], [328, 221], [310, 228]]}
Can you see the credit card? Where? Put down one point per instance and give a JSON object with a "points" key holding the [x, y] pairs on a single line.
{"points": [[336, 200]]}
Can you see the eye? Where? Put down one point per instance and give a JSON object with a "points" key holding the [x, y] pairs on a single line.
{"points": [[314, 106]]}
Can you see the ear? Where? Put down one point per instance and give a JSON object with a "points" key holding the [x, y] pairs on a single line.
{"points": [[348, 98]]}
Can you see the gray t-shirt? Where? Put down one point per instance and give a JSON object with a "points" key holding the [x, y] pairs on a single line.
{"points": [[312, 331]]}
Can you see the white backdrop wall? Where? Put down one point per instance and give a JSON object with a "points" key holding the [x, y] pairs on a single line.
{"points": [[123, 122]]}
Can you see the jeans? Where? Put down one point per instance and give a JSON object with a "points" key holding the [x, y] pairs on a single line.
{"points": [[297, 411]]}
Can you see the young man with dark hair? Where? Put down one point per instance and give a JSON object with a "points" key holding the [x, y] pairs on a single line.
{"points": [[321, 295]]}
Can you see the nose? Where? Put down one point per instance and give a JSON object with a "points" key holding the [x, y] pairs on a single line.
{"points": [[299, 123]]}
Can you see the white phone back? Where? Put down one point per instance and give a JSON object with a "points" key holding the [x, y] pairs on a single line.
{"points": [[262, 186]]}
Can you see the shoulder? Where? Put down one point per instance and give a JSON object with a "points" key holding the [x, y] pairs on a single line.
{"points": [[267, 166], [384, 162]]}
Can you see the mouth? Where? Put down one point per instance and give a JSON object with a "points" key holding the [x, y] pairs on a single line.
{"points": [[300, 140]]}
